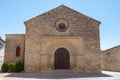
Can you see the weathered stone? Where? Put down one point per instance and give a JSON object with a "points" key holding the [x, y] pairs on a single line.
{"points": [[12, 41], [111, 59], [42, 39]]}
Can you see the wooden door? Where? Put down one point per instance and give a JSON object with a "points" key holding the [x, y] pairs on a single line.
{"points": [[62, 59]]}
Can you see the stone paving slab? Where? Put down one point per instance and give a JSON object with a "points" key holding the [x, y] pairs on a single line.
{"points": [[105, 75]]}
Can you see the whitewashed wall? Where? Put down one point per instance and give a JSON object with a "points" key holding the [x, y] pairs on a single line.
{"points": [[2, 48]]}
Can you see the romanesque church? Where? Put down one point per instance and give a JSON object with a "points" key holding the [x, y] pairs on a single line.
{"points": [[60, 39]]}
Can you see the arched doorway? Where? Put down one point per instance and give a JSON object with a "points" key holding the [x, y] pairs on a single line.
{"points": [[62, 59]]}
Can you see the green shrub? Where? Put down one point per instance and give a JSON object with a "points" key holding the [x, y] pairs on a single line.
{"points": [[18, 66], [12, 67], [4, 67]]}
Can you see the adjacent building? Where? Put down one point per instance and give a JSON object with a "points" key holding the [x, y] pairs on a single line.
{"points": [[111, 59], [2, 48]]}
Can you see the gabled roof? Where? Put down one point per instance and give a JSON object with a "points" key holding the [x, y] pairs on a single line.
{"points": [[1, 40], [112, 48], [63, 7]]}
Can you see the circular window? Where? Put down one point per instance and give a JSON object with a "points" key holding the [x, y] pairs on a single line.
{"points": [[61, 25]]}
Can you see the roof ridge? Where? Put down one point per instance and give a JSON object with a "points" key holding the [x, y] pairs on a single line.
{"points": [[112, 48], [1, 39], [61, 6]]}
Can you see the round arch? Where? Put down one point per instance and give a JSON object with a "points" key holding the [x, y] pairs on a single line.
{"points": [[61, 44]]}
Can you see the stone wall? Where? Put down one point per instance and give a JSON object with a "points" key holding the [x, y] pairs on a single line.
{"points": [[50, 44], [12, 41], [86, 28], [111, 59]]}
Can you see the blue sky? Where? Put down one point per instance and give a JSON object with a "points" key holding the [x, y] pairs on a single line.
{"points": [[13, 13]]}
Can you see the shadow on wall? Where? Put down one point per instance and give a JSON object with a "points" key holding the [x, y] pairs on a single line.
{"points": [[56, 75]]}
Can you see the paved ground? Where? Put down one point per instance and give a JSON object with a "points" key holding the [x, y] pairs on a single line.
{"points": [[105, 75]]}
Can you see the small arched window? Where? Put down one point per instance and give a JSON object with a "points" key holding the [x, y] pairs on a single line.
{"points": [[17, 51]]}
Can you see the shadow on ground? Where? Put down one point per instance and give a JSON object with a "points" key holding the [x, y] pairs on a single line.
{"points": [[56, 75]]}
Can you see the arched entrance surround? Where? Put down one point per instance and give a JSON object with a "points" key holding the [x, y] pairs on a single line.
{"points": [[61, 44]]}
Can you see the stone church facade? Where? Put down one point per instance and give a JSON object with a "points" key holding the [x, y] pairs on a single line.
{"points": [[60, 39]]}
